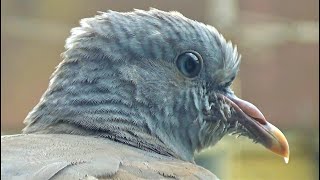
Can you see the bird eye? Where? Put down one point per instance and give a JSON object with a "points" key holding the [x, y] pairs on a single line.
{"points": [[189, 64]]}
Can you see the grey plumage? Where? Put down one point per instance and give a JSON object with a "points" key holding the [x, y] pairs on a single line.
{"points": [[118, 80], [118, 83], [64, 156]]}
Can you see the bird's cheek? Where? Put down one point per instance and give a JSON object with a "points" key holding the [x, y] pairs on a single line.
{"points": [[216, 109]]}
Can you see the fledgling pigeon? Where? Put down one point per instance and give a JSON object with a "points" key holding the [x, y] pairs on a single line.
{"points": [[137, 94]]}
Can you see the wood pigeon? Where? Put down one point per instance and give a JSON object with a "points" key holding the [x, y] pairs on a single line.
{"points": [[136, 95]]}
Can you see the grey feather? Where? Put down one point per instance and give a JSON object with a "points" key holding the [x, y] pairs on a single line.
{"points": [[48, 156], [118, 81]]}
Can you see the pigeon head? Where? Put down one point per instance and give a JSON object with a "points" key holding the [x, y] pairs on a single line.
{"points": [[151, 79]]}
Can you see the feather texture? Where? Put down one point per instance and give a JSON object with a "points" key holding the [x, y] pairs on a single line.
{"points": [[118, 107]]}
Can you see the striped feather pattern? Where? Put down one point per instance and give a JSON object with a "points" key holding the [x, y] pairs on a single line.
{"points": [[118, 80]]}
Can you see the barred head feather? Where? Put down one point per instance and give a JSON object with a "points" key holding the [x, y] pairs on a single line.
{"points": [[118, 79]]}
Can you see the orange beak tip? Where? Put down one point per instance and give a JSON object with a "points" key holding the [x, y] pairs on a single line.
{"points": [[279, 144]]}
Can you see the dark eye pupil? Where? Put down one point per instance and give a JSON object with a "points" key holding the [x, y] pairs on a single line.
{"points": [[189, 64]]}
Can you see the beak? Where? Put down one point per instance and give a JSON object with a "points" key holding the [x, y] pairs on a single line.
{"points": [[267, 134]]}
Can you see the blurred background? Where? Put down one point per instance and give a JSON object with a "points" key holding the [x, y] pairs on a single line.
{"points": [[278, 40]]}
